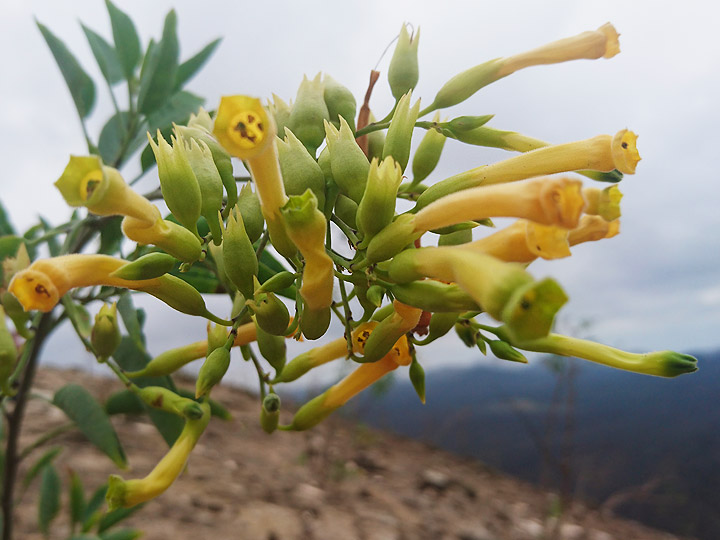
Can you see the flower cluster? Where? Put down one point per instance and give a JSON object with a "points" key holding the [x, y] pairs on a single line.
{"points": [[317, 166]]}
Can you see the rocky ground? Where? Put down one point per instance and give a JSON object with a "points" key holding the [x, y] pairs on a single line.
{"points": [[339, 481]]}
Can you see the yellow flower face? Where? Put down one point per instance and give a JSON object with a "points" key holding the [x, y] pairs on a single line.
{"points": [[35, 290], [242, 126], [83, 181], [625, 152]]}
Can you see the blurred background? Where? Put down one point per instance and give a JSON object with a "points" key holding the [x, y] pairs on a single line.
{"points": [[589, 431]]}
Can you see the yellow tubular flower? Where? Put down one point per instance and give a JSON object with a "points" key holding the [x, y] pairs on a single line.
{"points": [[548, 201], [43, 283], [593, 228], [601, 153], [601, 43], [603, 202], [523, 242], [127, 493], [102, 190], [246, 131], [167, 235]]}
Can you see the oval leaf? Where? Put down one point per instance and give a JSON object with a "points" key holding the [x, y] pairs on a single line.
{"points": [[105, 56], [122, 534], [112, 138], [191, 66], [5, 225], [49, 502], [158, 80], [91, 420], [81, 86], [40, 464], [127, 42], [77, 498]]}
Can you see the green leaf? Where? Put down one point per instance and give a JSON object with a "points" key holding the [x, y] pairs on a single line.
{"points": [[49, 502], [93, 509], [122, 534], [77, 499], [52, 243], [191, 66], [129, 315], [81, 86], [111, 236], [124, 402], [40, 464], [105, 55], [176, 110], [91, 420], [127, 42], [111, 143], [116, 516], [158, 80], [200, 277], [5, 225], [79, 316]]}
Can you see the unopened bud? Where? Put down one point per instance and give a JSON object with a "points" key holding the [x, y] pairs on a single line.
{"points": [[148, 266], [299, 169], [403, 73], [212, 371], [105, 336], [399, 135], [308, 113], [270, 413], [347, 161], [340, 102]]}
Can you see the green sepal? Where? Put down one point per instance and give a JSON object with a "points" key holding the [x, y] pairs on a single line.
{"points": [[148, 266]]}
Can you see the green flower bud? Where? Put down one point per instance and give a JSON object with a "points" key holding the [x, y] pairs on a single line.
{"points": [[467, 334], [504, 351], [403, 73], [339, 101], [465, 84], [299, 169], [456, 238], [347, 161], [278, 282], [167, 235], [220, 156], [308, 113], [148, 266], [170, 361], [346, 209], [211, 186], [179, 186], [377, 207], [399, 135], [314, 322], [434, 296], [272, 348], [8, 356], [270, 313], [216, 409], [217, 337], [530, 311], [463, 124], [428, 153], [270, 412], [201, 120], [212, 371], [249, 207], [384, 336], [393, 239], [417, 378], [241, 264], [280, 112], [440, 324], [375, 295], [166, 400], [105, 336]]}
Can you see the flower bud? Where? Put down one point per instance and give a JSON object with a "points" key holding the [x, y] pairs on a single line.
{"points": [[148, 266], [391, 329], [467, 334], [440, 324], [170, 361], [308, 114], [377, 207], [272, 348], [178, 183], [315, 322], [212, 371], [211, 185], [393, 239], [455, 238], [280, 112], [661, 363], [428, 153], [203, 133], [601, 153], [347, 161], [8, 355], [504, 351], [399, 134], [105, 336], [603, 202], [217, 337], [241, 264], [102, 190], [166, 400], [270, 412], [403, 73], [270, 313], [375, 295], [167, 235], [346, 209], [278, 282], [299, 169], [417, 378], [434, 296], [249, 207], [339, 101]]}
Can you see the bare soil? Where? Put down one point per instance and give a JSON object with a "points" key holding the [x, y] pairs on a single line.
{"points": [[337, 482]]}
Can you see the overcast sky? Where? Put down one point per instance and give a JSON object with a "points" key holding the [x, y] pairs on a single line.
{"points": [[655, 286]]}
